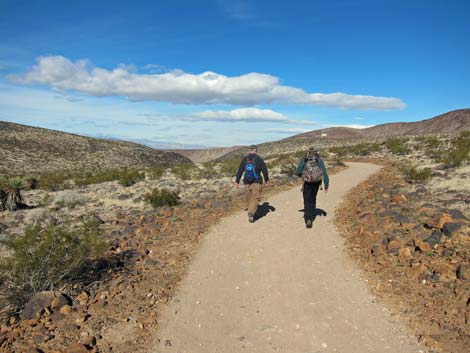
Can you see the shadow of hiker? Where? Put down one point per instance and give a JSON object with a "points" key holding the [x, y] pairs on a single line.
{"points": [[263, 210], [318, 212]]}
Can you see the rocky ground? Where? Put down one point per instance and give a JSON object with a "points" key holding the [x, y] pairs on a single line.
{"points": [[148, 254], [413, 241]]}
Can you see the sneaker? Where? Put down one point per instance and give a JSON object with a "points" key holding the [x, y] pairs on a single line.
{"points": [[251, 219], [308, 223]]}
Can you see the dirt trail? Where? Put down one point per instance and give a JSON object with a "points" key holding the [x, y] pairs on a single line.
{"points": [[275, 286]]}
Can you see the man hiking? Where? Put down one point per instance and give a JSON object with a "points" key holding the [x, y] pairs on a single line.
{"points": [[313, 171], [252, 166]]}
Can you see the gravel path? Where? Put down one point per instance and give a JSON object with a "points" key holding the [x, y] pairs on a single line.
{"points": [[275, 286]]}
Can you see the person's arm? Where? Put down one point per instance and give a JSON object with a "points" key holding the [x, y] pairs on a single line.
{"points": [[241, 168], [264, 169], [300, 167], [326, 179]]}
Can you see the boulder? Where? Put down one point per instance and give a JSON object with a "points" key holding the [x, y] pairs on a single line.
{"points": [[439, 220], [450, 228], [41, 301], [77, 348], [434, 239], [463, 272]]}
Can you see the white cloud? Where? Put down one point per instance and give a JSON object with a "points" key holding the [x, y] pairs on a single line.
{"points": [[359, 118], [242, 114], [184, 88]]}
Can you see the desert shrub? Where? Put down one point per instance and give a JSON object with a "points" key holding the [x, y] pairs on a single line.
{"points": [[229, 167], [45, 257], [70, 199], [10, 196], [162, 197], [183, 171], [458, 152], [398, 146], [155, 173], [52, 182], [130, 177], [414, 175], [288, 168]]}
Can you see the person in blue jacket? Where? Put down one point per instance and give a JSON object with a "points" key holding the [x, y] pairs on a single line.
{"points": [[313, 171]]}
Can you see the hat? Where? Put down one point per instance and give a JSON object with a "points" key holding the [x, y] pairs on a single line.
{"points": [[253, 147], [313, 149]]}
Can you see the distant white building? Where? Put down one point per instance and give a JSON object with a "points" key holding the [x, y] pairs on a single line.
{"points": [[324, 135]]}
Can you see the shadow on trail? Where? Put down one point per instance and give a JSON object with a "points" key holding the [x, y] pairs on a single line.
{"points": [[263, 210], [318, 212]]}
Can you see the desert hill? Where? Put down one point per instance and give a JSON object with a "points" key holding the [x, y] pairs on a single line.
{"points": [[205, 155], [26, 149], [447, 123]]}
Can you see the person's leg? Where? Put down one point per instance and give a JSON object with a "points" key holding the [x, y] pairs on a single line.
{"points": [[255, 197], [247, 196], [308, 201], [315, 187]]}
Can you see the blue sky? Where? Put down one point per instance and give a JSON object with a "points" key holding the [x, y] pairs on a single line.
{"points": [[219, 73]]}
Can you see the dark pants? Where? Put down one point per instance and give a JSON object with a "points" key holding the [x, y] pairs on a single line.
{"points": [[310, 199]]}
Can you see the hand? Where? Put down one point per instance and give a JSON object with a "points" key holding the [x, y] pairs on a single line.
{"points": [[266, 183], [237, 185], [326, 190]]}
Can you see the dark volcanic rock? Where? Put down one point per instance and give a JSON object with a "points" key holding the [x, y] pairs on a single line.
{"points": [[451, 228], [434, 239]]}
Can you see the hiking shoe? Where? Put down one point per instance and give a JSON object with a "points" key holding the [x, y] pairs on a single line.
{"points": [[308, 223], [251, 219]]}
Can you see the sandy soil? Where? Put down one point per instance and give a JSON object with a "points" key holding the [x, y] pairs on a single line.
{"points": [[275, 286]]}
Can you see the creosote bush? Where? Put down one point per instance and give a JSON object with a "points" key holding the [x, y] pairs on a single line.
{"points": [[414, 175], [398, 146], [44, 257], [162, 197], [458, 152]]}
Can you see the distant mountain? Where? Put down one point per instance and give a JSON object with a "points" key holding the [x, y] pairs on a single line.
{"points": [[205, 155], [25, 149], [447, 123]]}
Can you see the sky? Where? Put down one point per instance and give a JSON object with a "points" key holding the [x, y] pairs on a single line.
{"points": [[186, 74]]}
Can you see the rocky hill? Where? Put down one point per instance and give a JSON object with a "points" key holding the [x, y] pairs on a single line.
{"points": [[447, 123], [26, 150], [205, 155]]}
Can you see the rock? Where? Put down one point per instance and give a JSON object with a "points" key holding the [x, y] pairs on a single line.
{"points": [[82, 298], [422, 246], [450, 228], [434, 239], [66, 309], [97, 219], [398, 198], [463, 272], [41, 301], [87, 339], [394, 246], [457, 214], [404, 252], [439, 220], [2, 228], [77, 348], [445, 271]]}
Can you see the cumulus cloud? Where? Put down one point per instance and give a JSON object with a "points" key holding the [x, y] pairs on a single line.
{"points": [[184, 88], [247, 115]]}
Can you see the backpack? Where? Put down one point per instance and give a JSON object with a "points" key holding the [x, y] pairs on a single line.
{"points": [[312, 172], [250, 170]]}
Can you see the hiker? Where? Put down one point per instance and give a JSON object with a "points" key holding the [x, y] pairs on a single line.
{"points": [[252, 166], [313, 171]]}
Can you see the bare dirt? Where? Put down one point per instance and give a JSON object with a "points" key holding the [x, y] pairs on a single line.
{"points": [[276, 286]]}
